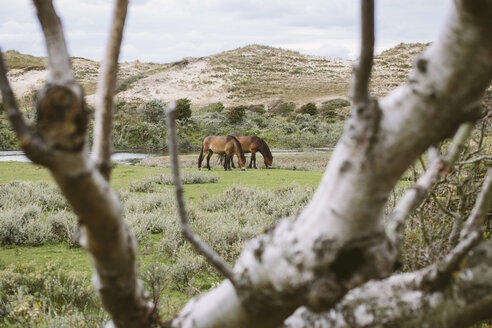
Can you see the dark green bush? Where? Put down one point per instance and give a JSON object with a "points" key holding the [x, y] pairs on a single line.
{"points": [[183, 109], [309, 108], [236, 114], [153, 111], [329, 107]]}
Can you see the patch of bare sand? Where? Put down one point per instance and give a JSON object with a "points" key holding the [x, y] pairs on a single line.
{"points": [[26, 82], [192, 80]]}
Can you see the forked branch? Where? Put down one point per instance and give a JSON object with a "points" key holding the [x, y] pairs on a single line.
{"points": [[105, 91], [201, 247]]}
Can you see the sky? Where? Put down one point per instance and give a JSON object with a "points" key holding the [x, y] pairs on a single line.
{"points": [[164, 31]]}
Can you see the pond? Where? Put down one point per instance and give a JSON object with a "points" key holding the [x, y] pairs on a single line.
{"points": [[123, 157]]}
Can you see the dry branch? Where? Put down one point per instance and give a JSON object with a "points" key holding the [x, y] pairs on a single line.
{"points": [[105, 91], [201, 247]]}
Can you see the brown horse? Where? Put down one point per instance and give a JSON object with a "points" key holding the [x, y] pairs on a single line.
{"points": [[252, 144], [226, 145]]}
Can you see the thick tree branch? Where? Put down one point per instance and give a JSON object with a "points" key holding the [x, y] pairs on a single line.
{"points": [[105, 91], [401, 300], [337, 242], [201, 247], [60, 70]]}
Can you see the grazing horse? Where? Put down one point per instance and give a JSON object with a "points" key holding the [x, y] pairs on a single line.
{"points": [[226, 145], [252, 144]]}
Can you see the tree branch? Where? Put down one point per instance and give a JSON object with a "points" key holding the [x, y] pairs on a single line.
{"points": [[482, 205], [59, 68], [362, 71], [400, 301], [105, 91], [200, 246], [414, 196]]}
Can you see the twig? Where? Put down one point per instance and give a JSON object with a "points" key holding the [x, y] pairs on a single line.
{"points": [[105, 91], [471, 236], [476, 159], [458, 143], [199, 245], [414, 196], [360, 90], [479, 211], [59, 67]]}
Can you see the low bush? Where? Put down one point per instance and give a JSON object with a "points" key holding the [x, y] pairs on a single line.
{"points": [[236, 114], [309, 108], [187, 177], [282, 108], [330, 109]]}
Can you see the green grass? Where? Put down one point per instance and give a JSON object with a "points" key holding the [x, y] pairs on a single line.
{"points": [[77, 260], [123, 175]]}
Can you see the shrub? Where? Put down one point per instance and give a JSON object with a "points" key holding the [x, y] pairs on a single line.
{"points": [[282, 108], [187, 177], [215, 107], [236, 114], [329, 107], [63, 228], [22, 226], [153, 111], [183, 109], [259, 109], [146, 185], [305, 123], [46, 296], [309, 108]]}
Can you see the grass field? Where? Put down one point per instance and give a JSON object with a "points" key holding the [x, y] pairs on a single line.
{"points": [[240, 205]]}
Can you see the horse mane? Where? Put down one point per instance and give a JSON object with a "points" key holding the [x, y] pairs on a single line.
{"points": [[238, 145], [266, 149]]}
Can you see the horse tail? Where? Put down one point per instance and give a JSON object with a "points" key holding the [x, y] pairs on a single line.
{"points": [[200, 158], [266, 149], [238, 145]]}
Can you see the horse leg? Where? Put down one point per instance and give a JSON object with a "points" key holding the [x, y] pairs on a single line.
{"points": [[253, 159], [208, 159], [227, 163], [232, 162]]}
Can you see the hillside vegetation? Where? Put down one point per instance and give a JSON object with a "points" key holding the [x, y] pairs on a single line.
{"points": [[290, 99]]}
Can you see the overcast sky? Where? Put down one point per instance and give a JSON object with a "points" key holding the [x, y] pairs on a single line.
{"points": [[168, 30]]}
